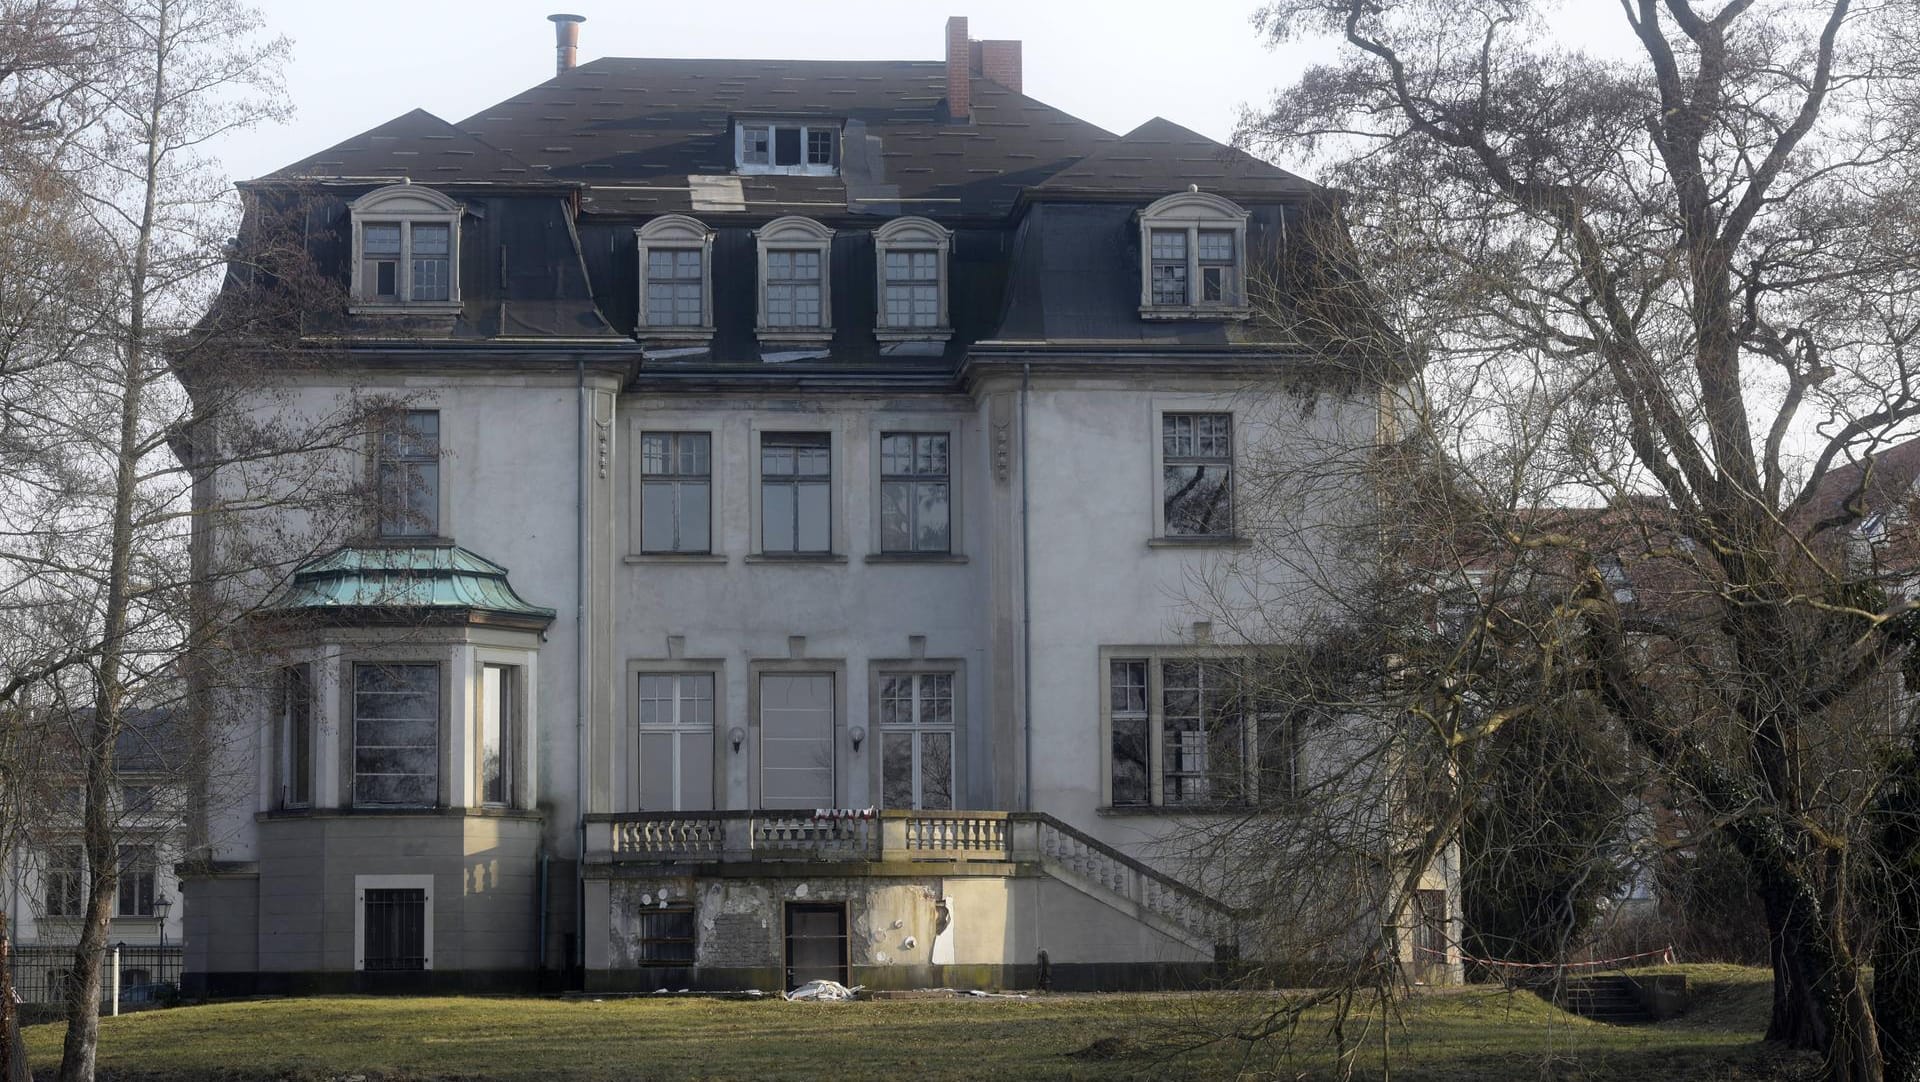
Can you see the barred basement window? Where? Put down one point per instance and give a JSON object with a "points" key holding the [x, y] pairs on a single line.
{"points": [[394, 930], [665, 937]]}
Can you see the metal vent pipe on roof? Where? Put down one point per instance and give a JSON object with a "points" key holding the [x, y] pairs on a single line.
{"points": [[566, 41]]}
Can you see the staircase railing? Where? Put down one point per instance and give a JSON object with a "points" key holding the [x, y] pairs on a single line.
{"points": [[910, 837]]}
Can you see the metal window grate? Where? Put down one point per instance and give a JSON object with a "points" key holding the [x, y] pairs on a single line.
{"points": [[396, 930], [666, 937]]}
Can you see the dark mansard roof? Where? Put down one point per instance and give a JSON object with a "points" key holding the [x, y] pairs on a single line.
{"points": [[631, 131]]}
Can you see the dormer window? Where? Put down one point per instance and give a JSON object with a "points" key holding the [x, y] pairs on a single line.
{"points": [[676, 279], [1193, 258], [808, 147], [796, 295], [406, 242], [911, 254]]}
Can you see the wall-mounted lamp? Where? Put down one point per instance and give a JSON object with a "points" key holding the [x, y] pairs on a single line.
{"points": [[738, 736], [857, 734]]}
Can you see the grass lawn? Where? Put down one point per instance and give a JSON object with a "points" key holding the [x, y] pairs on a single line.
{"points": [[1477, 1034]]}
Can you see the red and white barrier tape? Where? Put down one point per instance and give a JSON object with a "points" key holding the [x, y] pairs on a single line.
{"points": [[1665, 954]]}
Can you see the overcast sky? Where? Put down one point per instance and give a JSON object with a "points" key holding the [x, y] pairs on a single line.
{"points": [[359, 63]]}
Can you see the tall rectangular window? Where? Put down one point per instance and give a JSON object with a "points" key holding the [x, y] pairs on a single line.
{"points": [[432, 271], [396, 734], [380, 256], [394, 929], [793, 288], [408, 475], [66, 881], [756, 145], [675, 287], [1203, 757], [676, 492], [676, 741], [137, 869], [1169, 266], [1217, 265], [914, 492], [916, 740], [1197, 462], [497, 729], [796, 492], [296, 737], [1127, 713], [913, 288]]}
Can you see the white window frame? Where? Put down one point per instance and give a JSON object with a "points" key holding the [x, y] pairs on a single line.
{"points": [[911, 235], [881, 479], [405, 205], [836, 467], [796, 234], [1196, 459], [401, 531], [1192, 212], [512, 681], [364, 883], [352, 738], [954, 729], [803, 168], [1238, 435], [131, 869], [72, 876], [678, 232], [678, 728], [1252, 722], [675, 479]]}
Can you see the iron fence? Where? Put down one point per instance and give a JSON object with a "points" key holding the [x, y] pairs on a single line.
{"points": [[148, 975]]}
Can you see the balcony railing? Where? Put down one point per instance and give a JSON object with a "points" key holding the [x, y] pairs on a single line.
{"points": [[905, 837]]}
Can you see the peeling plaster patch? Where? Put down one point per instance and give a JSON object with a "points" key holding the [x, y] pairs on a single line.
{"points": [[881, 957], [800, 891], [646, 899], [908, 943]]}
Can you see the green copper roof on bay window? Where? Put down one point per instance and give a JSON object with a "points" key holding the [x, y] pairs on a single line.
{"points": [[416, 578]]}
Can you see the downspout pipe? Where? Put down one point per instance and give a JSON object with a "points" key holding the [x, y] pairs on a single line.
{"points": [[1026, 604], [581, 677]]}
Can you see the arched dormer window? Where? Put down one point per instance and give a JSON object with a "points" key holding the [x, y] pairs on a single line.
{"points": [[676, 279], [406, 250], [911, 254], [1193, 258], [796, 288]]}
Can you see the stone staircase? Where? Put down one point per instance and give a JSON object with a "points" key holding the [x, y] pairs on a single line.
{"points": [[1614, 1000]]}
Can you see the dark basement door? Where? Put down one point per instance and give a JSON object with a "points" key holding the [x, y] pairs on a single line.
{"points": [[816, 943]]}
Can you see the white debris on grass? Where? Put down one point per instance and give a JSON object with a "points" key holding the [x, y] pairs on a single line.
{"points": [[824, 991]]}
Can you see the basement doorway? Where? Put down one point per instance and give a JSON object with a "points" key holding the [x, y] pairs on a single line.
{"points": [[1429, 935], [816, 943]]}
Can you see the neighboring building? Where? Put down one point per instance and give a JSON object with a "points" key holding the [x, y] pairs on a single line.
{"points": [[43, 886], [785, 436]]}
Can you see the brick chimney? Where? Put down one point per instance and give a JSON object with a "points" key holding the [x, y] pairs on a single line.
{"points": [[566, 41], [967, 59], [959, 69], [1000, 62]]}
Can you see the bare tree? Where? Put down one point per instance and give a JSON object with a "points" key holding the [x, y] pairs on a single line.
{"points": [[139, 357], [1679, 286]]}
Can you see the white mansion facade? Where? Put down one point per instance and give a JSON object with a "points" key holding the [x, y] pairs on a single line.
{"points": [[786, 546]]}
